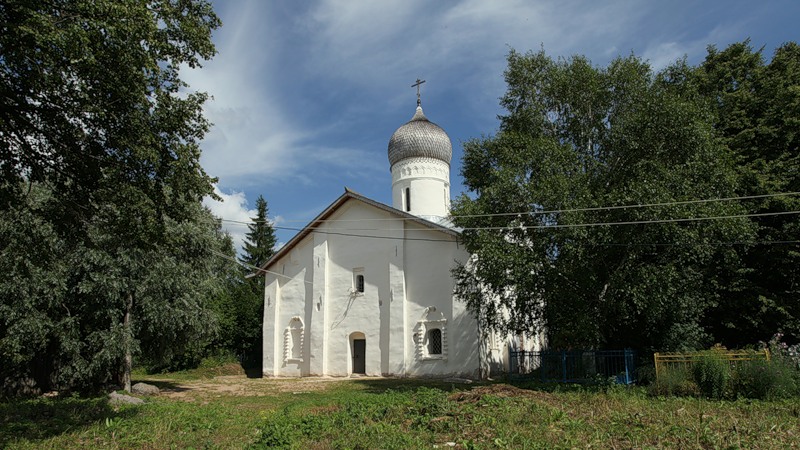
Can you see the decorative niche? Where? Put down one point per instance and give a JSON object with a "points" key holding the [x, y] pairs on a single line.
{"points": [[293, 336]]}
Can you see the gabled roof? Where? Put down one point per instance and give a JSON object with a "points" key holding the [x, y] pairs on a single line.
{"points": [[333, 207]]}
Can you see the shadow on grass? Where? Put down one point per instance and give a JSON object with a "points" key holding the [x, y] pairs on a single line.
{"points": [[164, 385], [253, 372], [381, 385], [38, 419]]}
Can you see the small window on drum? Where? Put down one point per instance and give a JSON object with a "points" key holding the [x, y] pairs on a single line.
{"points": [[408, 199]]}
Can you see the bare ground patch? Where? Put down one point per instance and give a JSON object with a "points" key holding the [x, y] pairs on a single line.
{"points": [[241, 385]]}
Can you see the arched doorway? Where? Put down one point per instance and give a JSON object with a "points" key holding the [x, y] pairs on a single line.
{"points": [[358, 353]]}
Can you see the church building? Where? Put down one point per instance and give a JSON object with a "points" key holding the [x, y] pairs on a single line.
{"points": [[365, 288]]}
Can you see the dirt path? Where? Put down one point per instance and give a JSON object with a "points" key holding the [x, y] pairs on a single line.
{"points": [[241, 385]]}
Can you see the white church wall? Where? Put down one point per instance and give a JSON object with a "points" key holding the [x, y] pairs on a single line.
{"points": [[314, 282], [293, 279], [430, 301], [352, 311]]}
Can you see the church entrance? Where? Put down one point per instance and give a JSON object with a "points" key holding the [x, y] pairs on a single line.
{"points": [[359, 356]]}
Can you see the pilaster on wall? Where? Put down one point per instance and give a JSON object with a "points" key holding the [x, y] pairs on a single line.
{"points": [[318, 333], [397, 311], [270, 331]]}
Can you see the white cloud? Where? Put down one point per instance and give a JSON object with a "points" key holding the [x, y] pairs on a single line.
{"points": [[233, 209], [307, 94]]}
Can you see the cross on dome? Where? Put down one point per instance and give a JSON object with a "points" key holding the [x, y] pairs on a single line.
{"points": [[416, 85]]}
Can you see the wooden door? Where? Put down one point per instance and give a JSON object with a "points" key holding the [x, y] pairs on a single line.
{"points": [[359, 355]]}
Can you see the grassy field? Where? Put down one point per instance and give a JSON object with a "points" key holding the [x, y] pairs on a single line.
{"points": [[209, 409]]}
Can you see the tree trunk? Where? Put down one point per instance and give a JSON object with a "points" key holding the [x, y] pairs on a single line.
{"points": [[126, 324]]}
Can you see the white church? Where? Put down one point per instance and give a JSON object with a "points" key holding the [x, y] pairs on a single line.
{"points": [[365, 288]]}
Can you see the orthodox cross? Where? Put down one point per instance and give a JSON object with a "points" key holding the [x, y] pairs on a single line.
{"points": [[416, 85]]}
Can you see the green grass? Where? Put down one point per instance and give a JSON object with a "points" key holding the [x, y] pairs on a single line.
{"points": [[233, 411]]}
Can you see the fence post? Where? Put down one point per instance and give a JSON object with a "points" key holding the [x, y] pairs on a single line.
{"points": [[542, 366], [655, 362], [625, 359], [564, 365]]}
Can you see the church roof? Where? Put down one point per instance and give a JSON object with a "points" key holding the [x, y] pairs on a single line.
{"points": [[420, 137], [352, 195]]}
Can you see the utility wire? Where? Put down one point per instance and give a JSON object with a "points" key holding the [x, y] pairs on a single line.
{"points": [[257, 270], [643, 205], [542, 227], [554, 211], [601, 244], [633, 222], [402, 238]]}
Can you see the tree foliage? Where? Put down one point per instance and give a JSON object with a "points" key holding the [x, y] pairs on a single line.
{"points": [[100, 150], [259, 246], [757, 115], [61, 316], [582, 145], [89, 93]]}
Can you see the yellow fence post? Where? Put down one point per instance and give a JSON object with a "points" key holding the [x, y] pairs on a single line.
{"points": [[655, 362]]}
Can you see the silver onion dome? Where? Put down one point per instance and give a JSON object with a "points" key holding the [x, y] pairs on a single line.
{"points": [[420, 137]]}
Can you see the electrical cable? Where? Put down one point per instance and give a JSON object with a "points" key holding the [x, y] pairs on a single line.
{"points": [[555, 211], [542, 227]]}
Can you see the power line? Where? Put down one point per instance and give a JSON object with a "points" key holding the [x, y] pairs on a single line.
{"points": [[634, 222], [695, 244], [643, 205], [542, 227], [257, 270], [601, 244], [403, 238], [554, 211]]}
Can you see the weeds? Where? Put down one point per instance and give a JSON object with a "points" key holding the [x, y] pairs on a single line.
{"points": [[714, 376], [237, 412]]}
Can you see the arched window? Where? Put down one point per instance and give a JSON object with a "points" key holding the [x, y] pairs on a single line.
{"points": [[408, 199]]}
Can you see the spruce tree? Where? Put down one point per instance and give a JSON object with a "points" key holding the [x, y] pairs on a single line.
{"points": [[259, 246], [260, 242]]}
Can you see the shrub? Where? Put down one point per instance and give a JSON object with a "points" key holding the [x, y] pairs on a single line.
{"points": [[764, 379], [674, 381], [712, 373]]}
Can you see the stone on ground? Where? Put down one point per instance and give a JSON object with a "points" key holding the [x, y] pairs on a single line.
{"points": [[118, 399], [145, 389]]}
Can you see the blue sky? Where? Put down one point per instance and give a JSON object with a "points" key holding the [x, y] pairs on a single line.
{"points": [[305, 95]]}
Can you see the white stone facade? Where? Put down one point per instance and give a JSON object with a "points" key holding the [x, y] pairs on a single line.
{"points": [[407, 317], [366, 288]]}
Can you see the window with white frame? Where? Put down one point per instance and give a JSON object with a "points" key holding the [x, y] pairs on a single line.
{"points": [[431, 339]]}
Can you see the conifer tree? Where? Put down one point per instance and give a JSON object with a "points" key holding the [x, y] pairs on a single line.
{"points": [[259, 245]]}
